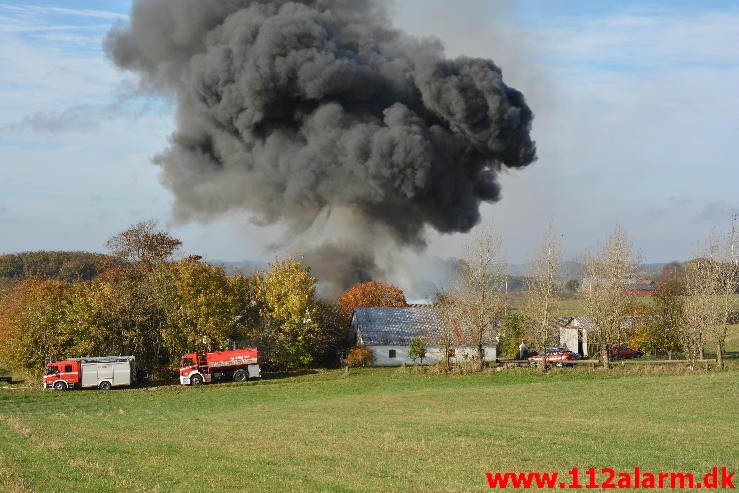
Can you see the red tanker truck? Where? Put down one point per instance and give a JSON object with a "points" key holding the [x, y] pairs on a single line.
{"points": [[103, 372], [202, 367]]}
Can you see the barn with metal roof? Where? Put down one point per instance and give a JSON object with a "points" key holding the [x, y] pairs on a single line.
{"points": [[388, 331]]}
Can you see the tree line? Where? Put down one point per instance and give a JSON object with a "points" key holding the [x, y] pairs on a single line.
{"points": [[147, 304], [65, 266], [692, 304], [141, 300]]}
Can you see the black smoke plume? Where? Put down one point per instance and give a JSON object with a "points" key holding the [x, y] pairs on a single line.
{"points": [[299, 112]]}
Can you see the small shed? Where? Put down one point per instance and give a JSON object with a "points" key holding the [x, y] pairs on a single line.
{"points": [[573, 334], [388, 331]]}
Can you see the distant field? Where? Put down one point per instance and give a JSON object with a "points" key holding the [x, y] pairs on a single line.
{"points": [[379, 430], [570, 305], [574, 306]]}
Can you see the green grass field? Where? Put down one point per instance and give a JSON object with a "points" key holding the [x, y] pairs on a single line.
{"points": [[381, 430]]}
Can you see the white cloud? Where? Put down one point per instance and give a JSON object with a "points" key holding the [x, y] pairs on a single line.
{"points": [[44, 10]]}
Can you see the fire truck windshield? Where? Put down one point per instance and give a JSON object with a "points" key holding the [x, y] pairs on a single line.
{"points": [[51, 370], [187, 361]]}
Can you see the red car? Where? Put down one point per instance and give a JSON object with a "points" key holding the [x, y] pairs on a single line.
{"points": [[623, 352], [556, 357]]}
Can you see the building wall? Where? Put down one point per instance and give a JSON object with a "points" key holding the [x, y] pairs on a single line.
{"points": [[433, 355], [568, 337]]}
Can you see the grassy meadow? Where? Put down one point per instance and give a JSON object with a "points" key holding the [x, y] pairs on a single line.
{"points": [[373, 430]]}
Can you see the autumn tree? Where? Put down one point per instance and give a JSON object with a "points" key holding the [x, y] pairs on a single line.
{"points": [[476, 304], [206, 306], [89, 319], [287, 293], [360, 356], [120, 313], [663, 320], [671, 274], [30, 319], [609, 302], [144, 242], [370, 293], [541, 297], [332, 337]]}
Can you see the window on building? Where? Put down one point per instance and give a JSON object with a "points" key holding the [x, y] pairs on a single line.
{"points": [[67, 368], [391, 353]]}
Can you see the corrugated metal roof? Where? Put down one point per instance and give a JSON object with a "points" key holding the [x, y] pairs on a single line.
{"points": [[562, 322], [395, 326], [581, 323]]}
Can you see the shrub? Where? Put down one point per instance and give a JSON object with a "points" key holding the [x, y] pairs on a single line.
{"points": [[360, 356], [417, 349], [514, 326]]}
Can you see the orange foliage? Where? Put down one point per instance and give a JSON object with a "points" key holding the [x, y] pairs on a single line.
{"points": [[370, 293], [360, 356], [30, 315]]}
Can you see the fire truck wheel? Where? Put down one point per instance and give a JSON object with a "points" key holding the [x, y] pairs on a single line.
{"points": [[60, 385], [196, 380], [240, 376], [104, 385]]}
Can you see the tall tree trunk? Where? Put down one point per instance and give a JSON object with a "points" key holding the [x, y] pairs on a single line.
{"points": [[606, 358], [720, 356], [480, 357], [700, 353]]}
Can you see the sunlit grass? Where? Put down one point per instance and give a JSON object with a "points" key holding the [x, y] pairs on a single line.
{"points": [[371, 430]]}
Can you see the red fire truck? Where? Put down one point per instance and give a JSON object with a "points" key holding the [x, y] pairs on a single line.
{"points": [[103, 372], [204, 367]]}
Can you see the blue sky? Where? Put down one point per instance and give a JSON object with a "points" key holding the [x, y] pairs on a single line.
{"points": [[636, 123]]}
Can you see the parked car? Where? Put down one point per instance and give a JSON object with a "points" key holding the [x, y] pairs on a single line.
{"points": [[556, 356], [623, 352]]}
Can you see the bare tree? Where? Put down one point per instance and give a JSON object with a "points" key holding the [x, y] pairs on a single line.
{"points": [[728, 282], [448, 334], [609, 301], [711, 282], [699, 310], [541, 297], [476, 303]]}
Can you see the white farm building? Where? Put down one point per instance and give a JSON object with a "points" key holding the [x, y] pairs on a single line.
{"points": [[573, 334], [388, 331]]}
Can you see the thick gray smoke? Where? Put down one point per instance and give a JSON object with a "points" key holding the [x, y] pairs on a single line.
{"points": [[301, 112]]}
